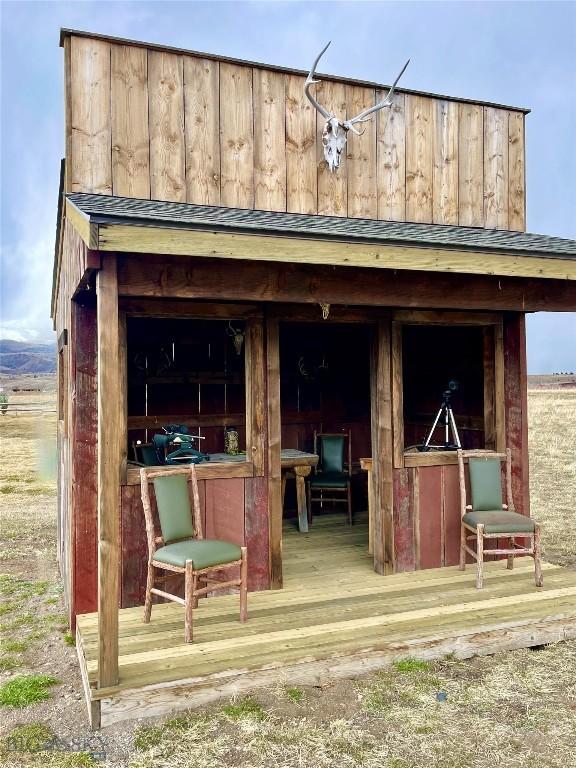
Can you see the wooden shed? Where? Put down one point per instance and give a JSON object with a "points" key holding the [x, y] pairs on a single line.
{"points": [[210, 271]]}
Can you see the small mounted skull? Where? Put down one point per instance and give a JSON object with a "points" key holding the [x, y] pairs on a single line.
{"points": [[335, 133]]}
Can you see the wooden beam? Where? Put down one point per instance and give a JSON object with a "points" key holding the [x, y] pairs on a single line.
{"points": [[499, 394], [489, 389], [190, 420], [192, 278], [123, 393], [274, 447], [255, 395], [224, 245], [207, 470], [441, 317], [397, 396], [110, 429], [81, 223], [381, 409], [189, 309]]}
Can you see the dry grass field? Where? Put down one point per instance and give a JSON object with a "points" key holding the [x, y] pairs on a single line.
{"points": [[513, 710]]}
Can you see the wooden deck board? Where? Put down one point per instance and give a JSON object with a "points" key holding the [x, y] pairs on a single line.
{"points": [[334, 615]]}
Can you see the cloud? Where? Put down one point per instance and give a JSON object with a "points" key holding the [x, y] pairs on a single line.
{"points": [[526, 59]]}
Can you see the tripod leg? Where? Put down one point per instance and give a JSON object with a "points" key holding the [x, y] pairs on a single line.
{"points": [[436, 420], [455, 434]]}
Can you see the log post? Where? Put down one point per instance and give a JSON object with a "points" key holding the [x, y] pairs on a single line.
{"points": [[110, 431], [382, 449], [274, 460]]}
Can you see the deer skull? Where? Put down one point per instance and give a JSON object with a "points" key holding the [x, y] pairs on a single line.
{"points": [[335, 131]]}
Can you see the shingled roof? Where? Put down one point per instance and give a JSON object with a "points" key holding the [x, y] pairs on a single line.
{"points": [[103, 209]]}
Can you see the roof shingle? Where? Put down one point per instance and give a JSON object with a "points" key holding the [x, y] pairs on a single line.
{"points": [[107, 209]]}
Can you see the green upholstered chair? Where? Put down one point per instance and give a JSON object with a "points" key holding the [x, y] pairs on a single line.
{"points": [[182, 548], [331, 482], [486, 517]]}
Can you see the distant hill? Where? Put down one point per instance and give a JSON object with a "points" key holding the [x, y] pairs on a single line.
{"points": [[18, 357]]}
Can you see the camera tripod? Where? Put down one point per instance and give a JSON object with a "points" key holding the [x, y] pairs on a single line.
{"points": [[445, 412]]}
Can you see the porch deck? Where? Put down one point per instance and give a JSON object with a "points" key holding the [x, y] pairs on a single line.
{"points": [[334, 618]]}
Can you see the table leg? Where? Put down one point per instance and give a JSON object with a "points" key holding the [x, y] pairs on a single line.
{"points": [[301, 475]]}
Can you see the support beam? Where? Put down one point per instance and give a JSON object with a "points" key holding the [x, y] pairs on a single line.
{"points": [[110, 431], [123, 238], [193, 278], [255, 394], [274, 447], [382, 447]]}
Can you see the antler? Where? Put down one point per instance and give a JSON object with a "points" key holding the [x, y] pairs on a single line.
{"points": [[310, 81], [386, 102]]}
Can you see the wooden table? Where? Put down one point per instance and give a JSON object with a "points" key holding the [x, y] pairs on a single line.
{"points": [[366, 465], [301, 464]]}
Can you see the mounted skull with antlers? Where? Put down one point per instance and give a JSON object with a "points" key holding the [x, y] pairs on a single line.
{"points": [[335, 131]]}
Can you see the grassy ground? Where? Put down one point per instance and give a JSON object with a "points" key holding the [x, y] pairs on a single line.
{"points": [[513, 710]]}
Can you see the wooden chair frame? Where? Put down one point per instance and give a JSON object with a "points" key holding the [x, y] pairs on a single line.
{"points": [[195, 580], [477, 532], [321, 498]]}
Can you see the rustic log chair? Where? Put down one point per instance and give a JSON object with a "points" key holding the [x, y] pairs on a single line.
{"points": [[332, 474], [182, 547], [488, 518]]}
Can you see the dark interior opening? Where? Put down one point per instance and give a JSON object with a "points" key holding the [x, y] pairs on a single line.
{"points": [[185, 372], [432, 356], [325, 386]]}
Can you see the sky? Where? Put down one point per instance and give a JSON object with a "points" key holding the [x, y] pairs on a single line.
{"points": [[516, 53]]}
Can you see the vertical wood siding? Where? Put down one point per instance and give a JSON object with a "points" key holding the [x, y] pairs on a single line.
{"points": [[166, 110], [130, 134], [201, 130], [182, 128]]}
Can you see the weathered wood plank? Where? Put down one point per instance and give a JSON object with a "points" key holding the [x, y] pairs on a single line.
{"points": [[84, 533], [499, 384], [470, 165], [236, 136], [404, 538], [207, 470], [255, 395], [489, 389], [167, 154], [430, 516], [203, 279], [445, 172], [130, 135], [257, 532], [382, 450], [418, 158], [269, 140], [332, 186], [391, 159], [67, 187], [397, 396], [301, 175], [274, 447], [110, 430], [90, 141], [361, 157], [516, 172], [202, 130], [495, 168], [516, 407], [225, 245], [451, 515]]}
